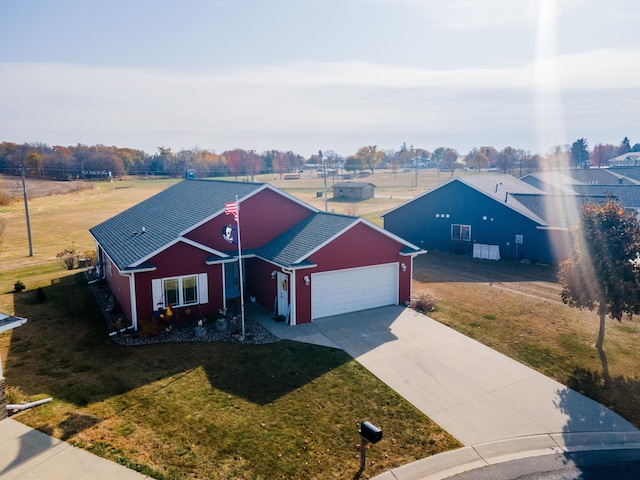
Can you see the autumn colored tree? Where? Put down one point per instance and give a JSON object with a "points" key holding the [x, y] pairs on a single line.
{"points": [[507, 159], [479, 161], [602, 153], [353, 164], [530, 163], [449, 159], [234, 161], [370, 156], [603, 271], [253, 163]]}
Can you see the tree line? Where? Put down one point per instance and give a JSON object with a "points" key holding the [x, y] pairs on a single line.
{"points": [[103, 162]]}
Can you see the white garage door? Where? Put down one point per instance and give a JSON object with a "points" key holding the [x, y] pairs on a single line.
{"points": [[353, 289]]}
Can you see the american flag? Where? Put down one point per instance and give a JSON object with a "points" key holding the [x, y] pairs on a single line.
{"points": [[231, 208]]}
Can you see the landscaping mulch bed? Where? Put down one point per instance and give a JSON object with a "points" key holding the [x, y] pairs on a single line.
{"points": [[186, 331]]}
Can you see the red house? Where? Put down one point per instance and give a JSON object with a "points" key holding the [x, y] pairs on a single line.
{"points": [[179, 248]]}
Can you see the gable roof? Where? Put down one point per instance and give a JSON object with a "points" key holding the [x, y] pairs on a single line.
{"points": [[551, 181], [136, 234], [498, 187], [598, 176], [629, 195], [293, 248], [296, 244], [352, 184]]}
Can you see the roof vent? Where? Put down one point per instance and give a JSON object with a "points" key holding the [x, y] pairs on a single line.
{"points": [[143, 229], [498, 187], [506, 196]]}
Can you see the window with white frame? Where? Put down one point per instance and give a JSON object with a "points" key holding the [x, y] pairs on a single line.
{"points": [[461, 232], [180, 291]]}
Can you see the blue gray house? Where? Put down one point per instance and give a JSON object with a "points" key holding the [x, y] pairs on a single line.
{"points": [[490, 216]]}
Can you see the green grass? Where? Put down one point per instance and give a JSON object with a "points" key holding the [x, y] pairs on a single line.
{"points": [[211, 410]]}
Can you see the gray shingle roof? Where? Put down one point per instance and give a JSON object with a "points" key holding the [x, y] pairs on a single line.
{"points": [[297, 243], [558, 211], [143, 229], [628, 195]]}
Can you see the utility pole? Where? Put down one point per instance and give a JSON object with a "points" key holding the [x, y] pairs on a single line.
{"points": [[324, 168], [26, 209]]}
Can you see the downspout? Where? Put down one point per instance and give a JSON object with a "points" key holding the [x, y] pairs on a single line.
{"points": [[28, 405], [134, 302]]}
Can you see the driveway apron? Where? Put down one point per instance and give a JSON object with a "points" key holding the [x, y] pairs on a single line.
{"points": [[475, 393]]}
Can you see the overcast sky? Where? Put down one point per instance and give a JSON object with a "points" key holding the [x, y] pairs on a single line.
{"points": [[309, 75]]}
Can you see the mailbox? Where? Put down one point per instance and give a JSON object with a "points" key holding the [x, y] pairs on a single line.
{"points": [[370, 432]]}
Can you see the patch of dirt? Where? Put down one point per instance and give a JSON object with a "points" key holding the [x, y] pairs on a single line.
{"points": [[530, 280]]}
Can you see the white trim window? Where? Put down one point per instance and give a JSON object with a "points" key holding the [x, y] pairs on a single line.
{"points": [[461, 232], [180, 291]]}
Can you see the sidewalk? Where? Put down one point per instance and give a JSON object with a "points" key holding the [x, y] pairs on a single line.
{"points": [[498, 408], [27, 454]]}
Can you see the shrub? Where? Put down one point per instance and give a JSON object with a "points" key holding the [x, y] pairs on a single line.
{"points": [[68, 258], [41, 297], [423, 302], [89, 257], [18, 286], [148, 327]]}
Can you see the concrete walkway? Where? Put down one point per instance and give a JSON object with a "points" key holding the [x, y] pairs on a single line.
{"points": [[27, 454], [479, 396]]}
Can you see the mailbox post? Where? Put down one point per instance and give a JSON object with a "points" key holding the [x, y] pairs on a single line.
{"points": [[368, 433]]}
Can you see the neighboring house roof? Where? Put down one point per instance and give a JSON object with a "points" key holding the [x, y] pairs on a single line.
{"points": [[551, 181], [628, 171], [352, 184], [557, 211], [597, 176], [545, 209], [629, 195], [134, 235], [630, 158]]}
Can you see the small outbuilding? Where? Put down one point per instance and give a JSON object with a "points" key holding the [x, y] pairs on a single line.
{"points": [[353, 190]]}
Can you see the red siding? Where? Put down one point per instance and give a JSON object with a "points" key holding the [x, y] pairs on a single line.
{"points": [[263, 217], [181, 259], [259, 281], [119, 286], [359, 247]]}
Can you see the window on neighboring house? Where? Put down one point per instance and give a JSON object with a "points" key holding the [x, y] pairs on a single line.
{"points": [[461, 232], [180, 291]]}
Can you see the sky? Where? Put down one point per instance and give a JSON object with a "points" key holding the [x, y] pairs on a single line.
{"points": [[309, 75]]}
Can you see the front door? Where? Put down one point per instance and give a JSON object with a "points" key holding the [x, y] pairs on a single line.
{"points": [[283, 295], [231, 281]]}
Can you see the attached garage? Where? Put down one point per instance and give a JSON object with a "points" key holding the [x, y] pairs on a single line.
{"points": [[353, 289]]}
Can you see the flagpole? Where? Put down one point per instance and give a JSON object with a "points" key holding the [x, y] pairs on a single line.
{"points": [[240, 269]]}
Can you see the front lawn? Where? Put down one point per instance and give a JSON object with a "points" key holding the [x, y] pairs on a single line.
{"points": [[201, 410]]}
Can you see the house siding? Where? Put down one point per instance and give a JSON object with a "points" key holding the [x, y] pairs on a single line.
{"points": [[179, 260], [259, 281], [427, 223], [119, 286], [263, 217], [360, 246]]}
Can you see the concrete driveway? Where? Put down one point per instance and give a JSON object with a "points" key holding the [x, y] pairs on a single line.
{"points": [[475, 393]]}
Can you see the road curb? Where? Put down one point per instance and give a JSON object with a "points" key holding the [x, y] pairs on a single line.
{"points": [[473, 457]]}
